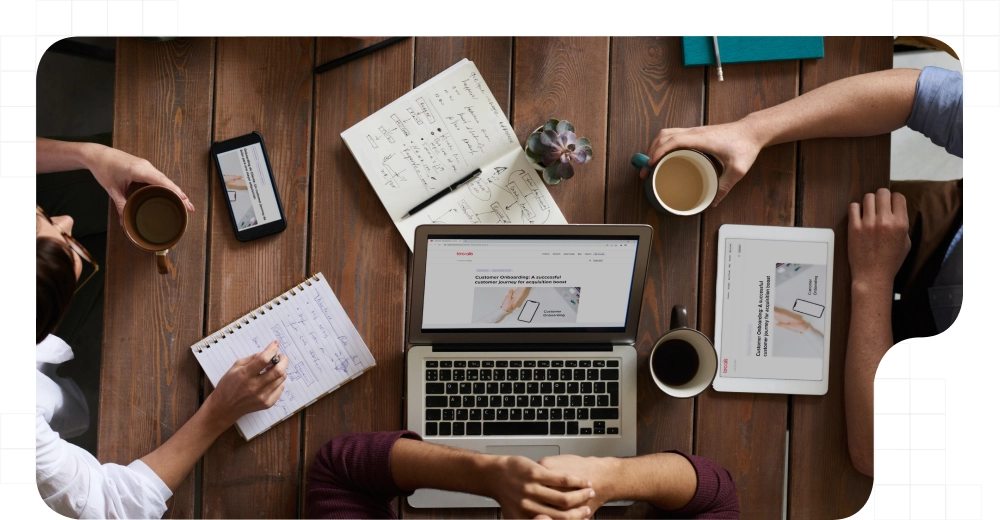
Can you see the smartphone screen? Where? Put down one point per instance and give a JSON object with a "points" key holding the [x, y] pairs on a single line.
{"points": [[528, 311], [808, 308], [248, 186]]}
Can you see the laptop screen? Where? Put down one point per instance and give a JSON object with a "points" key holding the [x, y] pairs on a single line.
{"points": [[528, 283]]}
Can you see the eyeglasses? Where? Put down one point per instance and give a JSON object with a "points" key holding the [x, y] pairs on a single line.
{"points": [[77, 248]]}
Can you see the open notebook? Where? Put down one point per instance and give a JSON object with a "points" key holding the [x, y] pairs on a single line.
{"points": [[435, 135], [324, 349]]}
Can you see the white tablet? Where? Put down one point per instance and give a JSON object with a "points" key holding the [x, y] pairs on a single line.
{"points": [[772, 309]]}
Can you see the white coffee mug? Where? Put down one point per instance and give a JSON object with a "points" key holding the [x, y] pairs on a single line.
{"points": [[707, 168], [708, 361]]}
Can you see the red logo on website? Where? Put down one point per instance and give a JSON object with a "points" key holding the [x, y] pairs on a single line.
{"points": [[725, 365], [463, 253]]}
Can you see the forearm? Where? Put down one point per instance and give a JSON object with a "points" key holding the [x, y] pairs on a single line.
{"points": [[862, 105], [665, 480], [60, 156], [417, 464], [869, 338], [174, 460]]}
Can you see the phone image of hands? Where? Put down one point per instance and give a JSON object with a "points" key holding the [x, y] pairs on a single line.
{"points": [[528, 311]]}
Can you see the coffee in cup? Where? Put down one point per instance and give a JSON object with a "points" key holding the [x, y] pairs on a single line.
{"points": [[155, 220], [684, 182], [683, 362]]}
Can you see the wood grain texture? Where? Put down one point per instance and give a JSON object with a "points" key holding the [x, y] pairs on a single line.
{"points": [[566, 78], [149, 379], [262, 84], [745, 433], [354, 242], [492, 57], [835, 172], [651, 90]]}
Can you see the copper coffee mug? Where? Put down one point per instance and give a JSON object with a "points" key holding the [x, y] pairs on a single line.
{"points": [[155, 220]]}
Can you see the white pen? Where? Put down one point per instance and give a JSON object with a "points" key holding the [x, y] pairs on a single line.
{"points": [[718, 60]]}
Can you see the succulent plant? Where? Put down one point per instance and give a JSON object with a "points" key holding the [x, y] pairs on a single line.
{"points": [[556, 147]]}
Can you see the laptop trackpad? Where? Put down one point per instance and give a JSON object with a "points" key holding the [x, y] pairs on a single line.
{"points": [[534, 453]]}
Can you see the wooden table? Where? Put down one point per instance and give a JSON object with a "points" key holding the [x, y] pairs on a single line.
{"points": [[173, 99]]}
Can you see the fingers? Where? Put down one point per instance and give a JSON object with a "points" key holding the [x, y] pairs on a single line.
{"points": [[278, 372], [854, 215], [868, 209], [274, 395], [153, 176], [899, 206], [562, 499], [726, 183], [883, 203], [262, 360], [561, 480], [661, 145], [545, 511]]}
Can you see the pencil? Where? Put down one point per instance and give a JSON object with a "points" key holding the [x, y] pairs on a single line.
{"points": [[718, 60], [358, 54]]}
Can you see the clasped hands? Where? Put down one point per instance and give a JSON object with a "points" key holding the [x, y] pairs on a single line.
{"points": [[563, 486]]}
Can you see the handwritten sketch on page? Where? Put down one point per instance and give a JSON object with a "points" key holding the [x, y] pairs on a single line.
{"points": [[437, 134], [323, 347]]}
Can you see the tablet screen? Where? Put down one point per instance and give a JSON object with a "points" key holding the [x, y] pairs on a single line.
{"points": [[774, 309]]}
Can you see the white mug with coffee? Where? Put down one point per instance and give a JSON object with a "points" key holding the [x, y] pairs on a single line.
{"points": [[683, 361], [684, 182]]}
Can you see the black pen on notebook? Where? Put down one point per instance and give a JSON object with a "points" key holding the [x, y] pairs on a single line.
{"points": [[443, 192], [274, 361]]}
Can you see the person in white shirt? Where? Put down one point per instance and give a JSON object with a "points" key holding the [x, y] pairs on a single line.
{"points": [[71, 480]]}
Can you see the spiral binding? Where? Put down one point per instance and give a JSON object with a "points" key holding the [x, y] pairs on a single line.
{"points": [[213, 338]]}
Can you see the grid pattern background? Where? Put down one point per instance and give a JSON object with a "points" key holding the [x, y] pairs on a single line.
{"points": [[911, 412]]}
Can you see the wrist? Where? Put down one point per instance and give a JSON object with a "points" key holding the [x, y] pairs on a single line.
{"points": [[870, 287], [216, 416], [613, 485], [755, 126], [89, 155]]}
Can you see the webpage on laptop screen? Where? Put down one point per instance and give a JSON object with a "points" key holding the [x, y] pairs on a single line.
{"points": [[528, 283]]}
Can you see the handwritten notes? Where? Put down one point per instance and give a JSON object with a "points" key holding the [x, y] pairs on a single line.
{"points": [[435, 135], [324, 349]]}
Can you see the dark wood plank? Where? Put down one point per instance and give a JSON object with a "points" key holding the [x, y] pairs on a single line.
{"points": [[149, 379], [263, 84], [652, 90], [566, 78], [492, 56], [354, 243], [834, 172], [745, 433]]}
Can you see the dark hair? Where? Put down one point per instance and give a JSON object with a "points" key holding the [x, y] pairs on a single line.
{"points": [[55, 283]]}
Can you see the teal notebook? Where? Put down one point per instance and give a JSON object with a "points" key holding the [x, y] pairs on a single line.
{"points": [[698, 50]]}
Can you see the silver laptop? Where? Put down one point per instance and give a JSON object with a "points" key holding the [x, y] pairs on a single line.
{"points": [[523, 341]]}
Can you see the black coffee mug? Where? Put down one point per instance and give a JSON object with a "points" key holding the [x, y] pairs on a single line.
{"points": [[683, 362]]}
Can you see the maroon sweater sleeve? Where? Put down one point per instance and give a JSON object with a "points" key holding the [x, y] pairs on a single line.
{"points": [[351, 478], [715, 496]]}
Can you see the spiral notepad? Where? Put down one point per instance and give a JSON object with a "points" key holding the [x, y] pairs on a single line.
{"points": [[324, 349]]}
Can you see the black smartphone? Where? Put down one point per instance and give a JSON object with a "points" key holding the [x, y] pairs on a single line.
{"points": [[249, 188]]}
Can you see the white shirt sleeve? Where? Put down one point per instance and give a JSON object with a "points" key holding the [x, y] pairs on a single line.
{"points": [[73, 483]]}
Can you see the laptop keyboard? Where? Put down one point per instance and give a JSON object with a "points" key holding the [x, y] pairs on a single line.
{"points": [[512, 397]]}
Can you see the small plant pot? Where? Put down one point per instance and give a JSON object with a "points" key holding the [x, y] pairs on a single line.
{"points": [[536, 165]]}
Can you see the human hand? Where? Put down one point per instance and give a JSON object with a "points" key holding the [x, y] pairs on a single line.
{"points": [[115, 170], [525, 489], [877, 239], [789, 320], [244, 389], [514, 298], [599, 471], [736, 145]]}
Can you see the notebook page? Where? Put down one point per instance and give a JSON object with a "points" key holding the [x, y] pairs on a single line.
{"points": [[508, 191], [430, 138], [324, 351]]}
